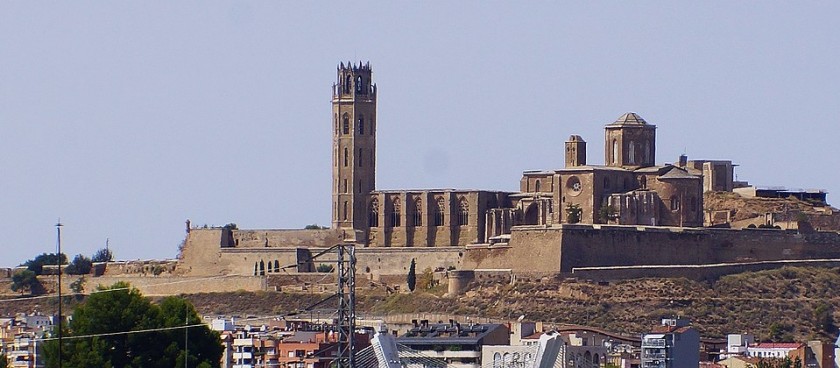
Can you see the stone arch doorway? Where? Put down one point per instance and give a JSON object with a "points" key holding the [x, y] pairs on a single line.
{"points": [[532, 215]]}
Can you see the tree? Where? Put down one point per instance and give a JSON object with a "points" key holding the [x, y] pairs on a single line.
{"points": [[81, 265], [78, 286], [123, 309], [37, 265], [824, 318], [573, 212], [426, 279], [315, 227], [102, 255], [4, 361], [411, 279], [26, 280], [605, 213], [325, 268]]}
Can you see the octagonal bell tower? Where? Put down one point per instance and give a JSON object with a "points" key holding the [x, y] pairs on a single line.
{"points": [[354, 145], [630, 142]]}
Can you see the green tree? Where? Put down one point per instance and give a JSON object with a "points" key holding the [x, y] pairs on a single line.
{"points": [[605, 213], [102, 255], [315, 227], [26, 280], [797, 363], [411, 279], [81, 265], [573, 212], [824, 318], [4, 361], [37, 265], [78, 286], [120, 309], [426, 279]]}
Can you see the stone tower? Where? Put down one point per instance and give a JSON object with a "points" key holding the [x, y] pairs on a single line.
{"points": [[354, 145], [630, 142], [575, 151]]}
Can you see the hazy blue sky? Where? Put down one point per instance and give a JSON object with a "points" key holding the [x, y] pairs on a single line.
{"points": [[125, 118]]}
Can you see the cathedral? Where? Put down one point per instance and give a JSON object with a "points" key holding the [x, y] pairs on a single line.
{"points": [[628, 189]]}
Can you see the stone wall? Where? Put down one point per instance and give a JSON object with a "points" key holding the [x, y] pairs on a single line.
{"points": [[165, 285], [564, 247], [696, 272]]}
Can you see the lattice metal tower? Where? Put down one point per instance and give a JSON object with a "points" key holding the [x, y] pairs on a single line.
{"points": [[346, 322]]}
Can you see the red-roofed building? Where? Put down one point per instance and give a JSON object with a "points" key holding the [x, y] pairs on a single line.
{"points": [[772, 349]]}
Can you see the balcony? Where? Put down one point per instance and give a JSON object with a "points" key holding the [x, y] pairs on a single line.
{"points": [[653, 343]]}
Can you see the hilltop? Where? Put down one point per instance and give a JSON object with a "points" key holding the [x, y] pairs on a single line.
{"points": [[784, 304]]}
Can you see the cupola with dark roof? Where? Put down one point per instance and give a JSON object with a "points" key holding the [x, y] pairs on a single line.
{"points": [[630, 142]]}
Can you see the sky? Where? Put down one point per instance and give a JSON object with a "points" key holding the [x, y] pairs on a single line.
{"points": [[123, 119]]}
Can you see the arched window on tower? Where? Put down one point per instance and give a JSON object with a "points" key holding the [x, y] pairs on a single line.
{"points": [[632, 154], [537, 186], [346, 159], [360, 157], [418, 212], [463, 212], [373, 213], [675, 203], [439, 214], [347, 84], [346, 125], [359, 85], [362, 125], [344, 212], [615, 151], [395, 212]]}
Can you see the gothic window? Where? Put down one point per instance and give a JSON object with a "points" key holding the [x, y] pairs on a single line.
{"points": [[360, 157], [362, 125], [347, 84], [346, 159], [276, 266], [464, 211], [632, 156], [439, 214], [256, 269], [373, 213], [395, 212], [344, 188], [537, 186], [359, 84], [262, 268], [418, 212], [346, 125], [615, 151], [675, 203], [270, 267], [359, 188], [344, 211]]}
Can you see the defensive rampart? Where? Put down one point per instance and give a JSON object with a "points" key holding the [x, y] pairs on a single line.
{"points": [[562, 248]]}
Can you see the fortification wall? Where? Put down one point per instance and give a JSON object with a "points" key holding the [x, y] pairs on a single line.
{"points": [[370, 262], [590, 246], [696, 272], [163, 285], [286, 238], [531, 249], [139, 268]]}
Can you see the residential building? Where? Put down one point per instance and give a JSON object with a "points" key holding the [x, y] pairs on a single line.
{"points": [[673, 344], [459, 345], [772, 349]]}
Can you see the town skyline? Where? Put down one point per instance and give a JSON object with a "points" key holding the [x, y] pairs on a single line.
{"points": [[124, 120]]}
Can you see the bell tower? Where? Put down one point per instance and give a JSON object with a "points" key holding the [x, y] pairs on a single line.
{"points": [[630, 142], [354, 145]]}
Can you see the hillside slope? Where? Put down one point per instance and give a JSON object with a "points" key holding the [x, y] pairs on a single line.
{"points": [[784, 304]]}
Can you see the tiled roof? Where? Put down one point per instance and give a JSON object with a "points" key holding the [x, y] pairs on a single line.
{"points": [[777, 345], [534, 336], [630, 118]]}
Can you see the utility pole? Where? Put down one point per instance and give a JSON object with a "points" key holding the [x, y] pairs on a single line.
{"points": [[58, 226]]}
